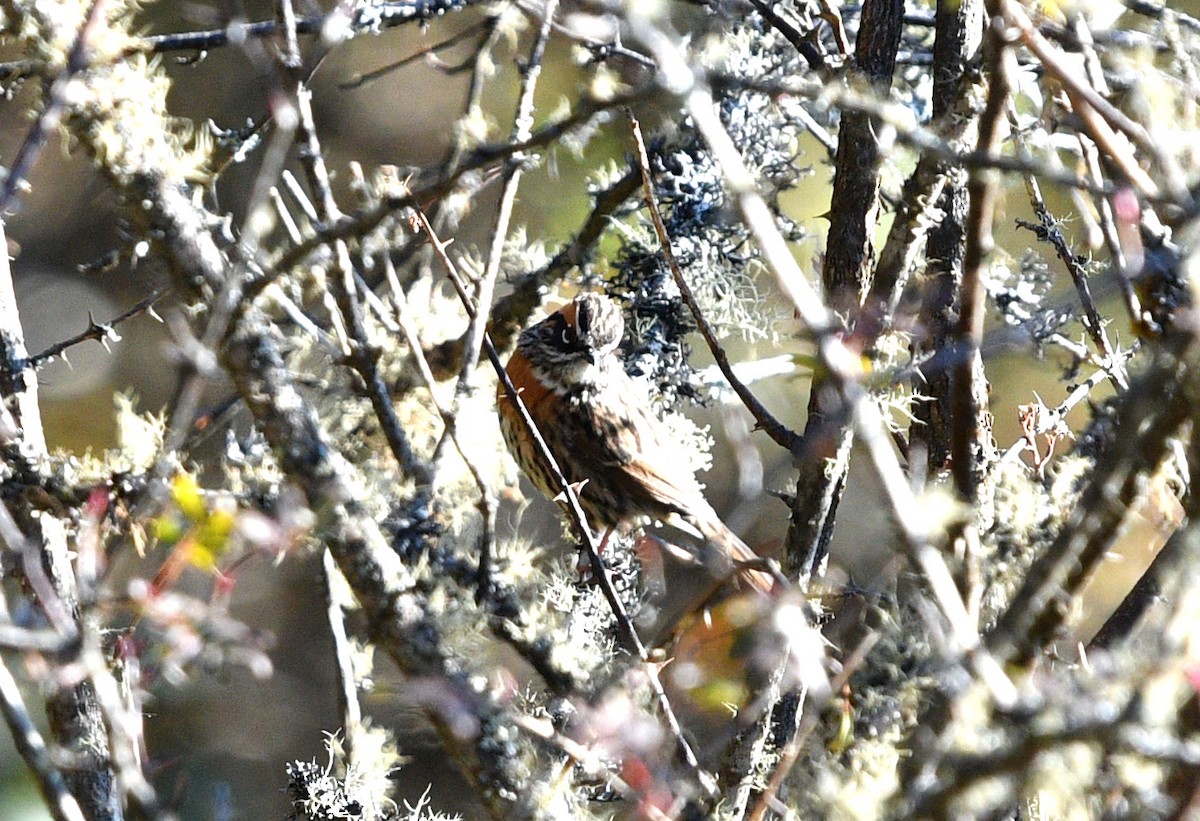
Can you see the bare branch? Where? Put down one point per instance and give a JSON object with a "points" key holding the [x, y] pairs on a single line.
{"points": [[102, 332], [783, 437]]}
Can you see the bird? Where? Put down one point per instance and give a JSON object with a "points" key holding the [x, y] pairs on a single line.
{"points": [[606, 438]]}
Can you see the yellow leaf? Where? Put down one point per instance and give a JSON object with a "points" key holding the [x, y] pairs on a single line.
{"points": [[166, 529], [213, 534], [187, 495], [202, 557]]}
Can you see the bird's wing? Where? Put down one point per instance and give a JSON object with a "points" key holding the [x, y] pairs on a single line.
{"points": [[625, 442]]}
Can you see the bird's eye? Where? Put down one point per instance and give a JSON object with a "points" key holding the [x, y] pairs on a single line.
{"points": [[568, 335]]}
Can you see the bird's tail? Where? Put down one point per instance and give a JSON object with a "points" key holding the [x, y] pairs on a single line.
{"points": [[744, 567]]}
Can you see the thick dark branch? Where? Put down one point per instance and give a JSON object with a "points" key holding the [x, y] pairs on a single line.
{"points": [[971, 445], [958, 34], [847, 273], [1181, 546], [849, 252]]}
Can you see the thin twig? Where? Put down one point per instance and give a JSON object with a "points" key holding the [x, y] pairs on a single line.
{"points": [[51, 114], [795, 745], [289, 53], [831, 15], [1051, 420], [541, 658], [900, 125], [1080, 90], [512, 311], [1144, 424], [1159, 12], [58, 612], [362, 356], [481, 158], [1124, 268], [800, 40], [230, 292], [347, 690], [590, 762], [600, 49], [1051, 232], [487, 501], [484, 26], [779, 433], [472, 100], [102, 332], [370, 18]]}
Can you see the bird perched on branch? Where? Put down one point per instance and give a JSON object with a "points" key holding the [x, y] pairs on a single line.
{"points": [[605, 437]]}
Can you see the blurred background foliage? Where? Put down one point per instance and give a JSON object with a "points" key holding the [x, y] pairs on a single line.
{"points": [[214, 745]]}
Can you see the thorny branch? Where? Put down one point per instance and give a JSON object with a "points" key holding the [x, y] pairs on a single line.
{"points": [[369, 19], [102, 332], [286, 313], [1049, 230]]}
